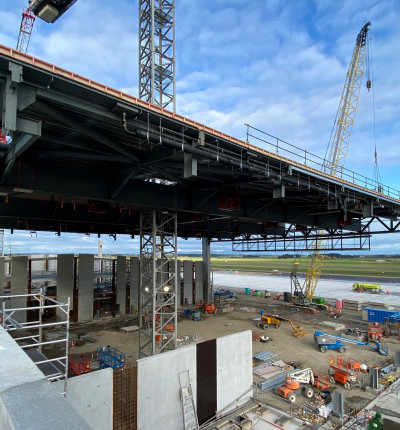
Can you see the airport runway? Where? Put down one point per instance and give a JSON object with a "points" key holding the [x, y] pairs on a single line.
{"points": [[329, 288]]}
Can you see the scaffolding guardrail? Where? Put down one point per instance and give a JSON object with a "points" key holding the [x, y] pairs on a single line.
{"points": [[32, 339]]}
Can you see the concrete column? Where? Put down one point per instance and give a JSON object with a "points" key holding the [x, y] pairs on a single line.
{"points": [[134, 287], [198, 266], [85, 290], [121, 284], [188, 282], [65, 282], [2, 275], [180, 301], [207, 287], [19, 285]]}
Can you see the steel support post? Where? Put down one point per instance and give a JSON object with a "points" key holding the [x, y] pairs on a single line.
{"points": [[158, 284]]}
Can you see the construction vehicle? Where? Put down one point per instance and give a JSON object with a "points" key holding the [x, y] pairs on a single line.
{"points": [[209, 308], [191, 314], [346, 371], [109, 356], [327, 341], [78, 364], [334, 163], [378, 347], [362, 287], [302, 382], [267, 320], [275, 320]]}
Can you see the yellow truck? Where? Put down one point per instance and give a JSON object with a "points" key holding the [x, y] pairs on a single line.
{"points": [[362, 287]]}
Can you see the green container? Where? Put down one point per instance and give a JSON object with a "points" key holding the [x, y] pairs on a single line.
{"points": [[318, 300], [258, 293]]}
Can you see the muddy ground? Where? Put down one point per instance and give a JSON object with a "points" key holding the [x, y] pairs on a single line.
{"points": [[302, 351]]}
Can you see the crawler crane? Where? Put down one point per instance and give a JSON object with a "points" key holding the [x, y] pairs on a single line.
{"points": [[334, 163]]}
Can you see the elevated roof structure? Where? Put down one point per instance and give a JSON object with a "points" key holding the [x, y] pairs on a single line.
{"points": [[83, 157], [50, 10]]}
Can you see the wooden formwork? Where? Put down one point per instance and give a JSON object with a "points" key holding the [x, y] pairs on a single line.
{"points": [[125, 398]]}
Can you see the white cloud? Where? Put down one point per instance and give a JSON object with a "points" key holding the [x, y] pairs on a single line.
{"points": [[278, 65]]}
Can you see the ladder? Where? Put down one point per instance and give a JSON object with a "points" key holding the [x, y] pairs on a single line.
{"points": [[190, 421]]}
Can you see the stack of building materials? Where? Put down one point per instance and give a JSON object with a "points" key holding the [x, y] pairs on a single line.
{"points": [[352, 305]]}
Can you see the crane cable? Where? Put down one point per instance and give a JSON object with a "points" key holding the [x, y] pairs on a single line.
{"points": [[377, 181]]}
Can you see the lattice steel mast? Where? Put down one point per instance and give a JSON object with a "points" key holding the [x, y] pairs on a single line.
{"points": [[158, 283], [157, 52]]}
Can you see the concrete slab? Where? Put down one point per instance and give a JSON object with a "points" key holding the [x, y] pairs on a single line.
{"points": [[37, 406], [333, 325]]}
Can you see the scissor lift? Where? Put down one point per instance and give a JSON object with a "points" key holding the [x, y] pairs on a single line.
{"points": [[346, 371], [109, 356]]}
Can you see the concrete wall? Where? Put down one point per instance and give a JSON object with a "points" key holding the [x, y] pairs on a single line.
{"points": [[134, 288], [187, 282], [159, 404], [27, 399], [234, 369], [121, 284], [85, 291], [198, 265], [19, 285], [65, 282], [91, 395], [234, 380], [179, 282]]}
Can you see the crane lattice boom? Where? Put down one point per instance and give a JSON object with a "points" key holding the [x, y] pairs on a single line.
{"points": [[347, 108], [337, 152], [25, 31]]}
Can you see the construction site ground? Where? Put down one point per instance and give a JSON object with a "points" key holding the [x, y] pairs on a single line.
{"points": [[301, 351]]}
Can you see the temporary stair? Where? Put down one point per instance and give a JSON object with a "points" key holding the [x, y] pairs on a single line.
{"points": [[190, 421]]}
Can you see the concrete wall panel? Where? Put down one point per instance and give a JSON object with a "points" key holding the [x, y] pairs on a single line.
{"points": [[134, 288], [234, 369], [2, 277], [199, 281], [85, 291], [121, 284], [91, 395], [158, 388], [179, 284], [19, 285], [65, 281], [187, 282]]}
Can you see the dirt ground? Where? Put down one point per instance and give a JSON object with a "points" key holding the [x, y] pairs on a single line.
{"points": [[302, 351]]}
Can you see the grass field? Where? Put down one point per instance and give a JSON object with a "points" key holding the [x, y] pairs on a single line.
{"points": [[389, 267]]}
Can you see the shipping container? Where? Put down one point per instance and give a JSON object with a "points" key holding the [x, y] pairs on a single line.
{"points": [[379, 315]]}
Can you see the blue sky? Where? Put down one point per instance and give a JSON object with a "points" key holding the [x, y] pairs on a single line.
{"points": [[278, 65]]}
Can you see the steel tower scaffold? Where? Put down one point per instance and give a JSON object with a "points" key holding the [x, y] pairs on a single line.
{"points": [[157, 52], [158, 283]]}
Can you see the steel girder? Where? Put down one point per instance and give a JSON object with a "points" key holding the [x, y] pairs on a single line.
{"points": [[98, 150]]}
